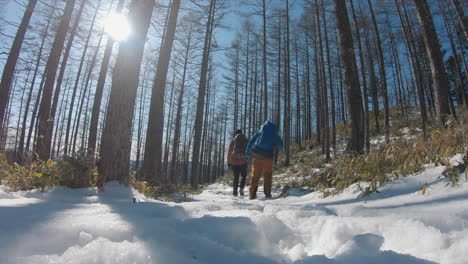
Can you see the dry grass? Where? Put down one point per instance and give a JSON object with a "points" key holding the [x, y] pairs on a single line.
{"points": [[403, 156], [72, 171], [165, 192]]}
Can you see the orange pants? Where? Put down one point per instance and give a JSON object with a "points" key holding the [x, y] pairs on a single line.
{"points": [[260, 166]]}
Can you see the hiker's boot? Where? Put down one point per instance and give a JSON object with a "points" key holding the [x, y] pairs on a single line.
{"points": [[241, 192], [268, 196], [253, 193]]}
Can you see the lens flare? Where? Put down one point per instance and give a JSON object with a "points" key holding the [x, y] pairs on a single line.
{"points": [[116, 25]]}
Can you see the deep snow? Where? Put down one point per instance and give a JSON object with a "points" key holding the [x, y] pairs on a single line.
{"points": [[397, 225]]}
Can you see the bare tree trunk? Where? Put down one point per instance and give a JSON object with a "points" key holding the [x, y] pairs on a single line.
{"points": [[45, 136], [287, 108], [332, 95], [99, 90], [278, 95], [324, 93], [116, 137], [33, 123], [168, 131], [247, 76], [10, 65], [298, 95], [21, 151], [461, 17], [8, 114], [461, 96], [439, 75], [140, 122], [88, 77], [65, 60], [383, 75], [264, 61], [356, 115], [318, 96], [308, 93], [201, 97], [415, 63], [153, 147], [364, 80], [175, 147], [62, 114], [21, 112], [460, 42], [75, 88], [61, 119]]}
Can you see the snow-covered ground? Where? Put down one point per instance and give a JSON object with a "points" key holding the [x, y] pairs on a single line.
{"points": [[397, 225]]}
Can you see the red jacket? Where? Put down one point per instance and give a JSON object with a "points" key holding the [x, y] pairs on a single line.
{"points": [[231, 160]]}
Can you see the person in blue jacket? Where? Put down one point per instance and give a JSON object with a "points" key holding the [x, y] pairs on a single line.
{"points": [[261, 148]]}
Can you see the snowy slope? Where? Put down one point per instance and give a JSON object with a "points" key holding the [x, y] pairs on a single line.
{"points": [[397, 225]]}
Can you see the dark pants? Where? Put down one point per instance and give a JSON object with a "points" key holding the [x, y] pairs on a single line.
{"points": [[242, 170]]}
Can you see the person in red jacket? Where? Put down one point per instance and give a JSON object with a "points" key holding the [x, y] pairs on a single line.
{"points": [[237, 160]]}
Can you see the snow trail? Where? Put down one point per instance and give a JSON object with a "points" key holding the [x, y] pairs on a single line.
{"points": [[397, 225]]}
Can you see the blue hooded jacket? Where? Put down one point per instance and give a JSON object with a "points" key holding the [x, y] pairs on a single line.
{"points": [[265, 139]]}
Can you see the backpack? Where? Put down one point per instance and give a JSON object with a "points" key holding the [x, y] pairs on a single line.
{"points": [[267, 135], [240, 144]]}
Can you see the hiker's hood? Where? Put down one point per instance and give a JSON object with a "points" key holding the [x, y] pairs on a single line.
{"points": [[269, 128]]}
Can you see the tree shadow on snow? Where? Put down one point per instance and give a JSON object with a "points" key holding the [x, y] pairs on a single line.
{"points": [[171, 235], [19, 226]]}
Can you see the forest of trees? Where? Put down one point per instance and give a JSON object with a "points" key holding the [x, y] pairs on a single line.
{"points": [[162, 104]]}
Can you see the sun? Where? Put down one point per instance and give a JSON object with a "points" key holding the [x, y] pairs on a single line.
{"points": [[117, 26]]}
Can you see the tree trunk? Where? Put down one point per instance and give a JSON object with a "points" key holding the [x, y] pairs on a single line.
{"points": [[461, 17], [45, 136], [364, 80], [356, 115], [439, 75], [298, 96], [415, 63], [201, 97], [168, 130], [10, 65], [461, 96], [332, 95], [175, 147], [153, 147], [324, 93], [116, 137], [63, 65], [21, 151], [287, 103], [99, 90], [383, 75], [141, 117], [264, 61], [278, 92]]}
